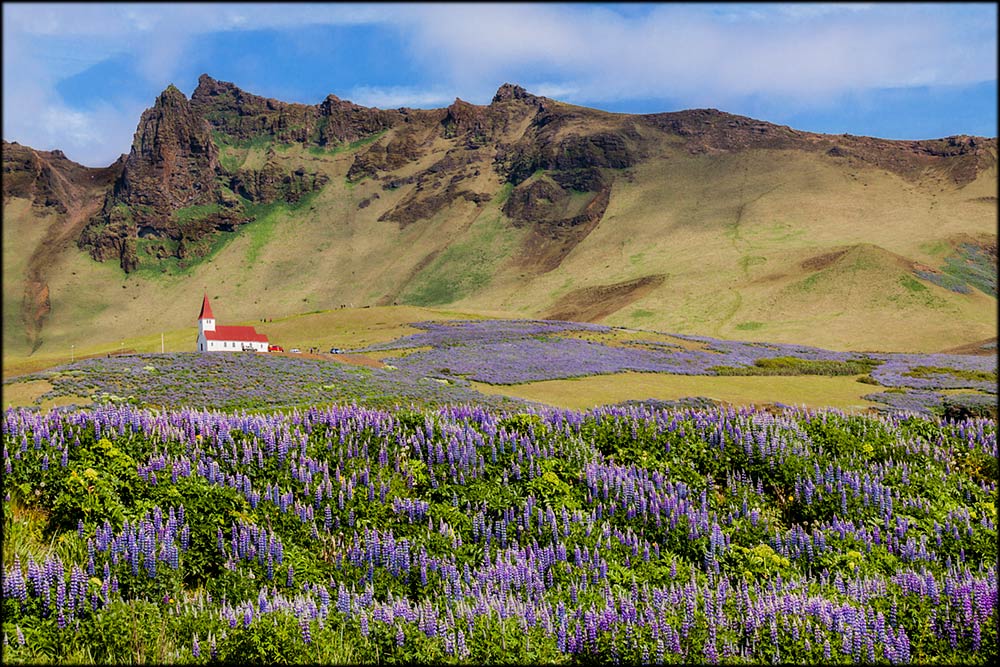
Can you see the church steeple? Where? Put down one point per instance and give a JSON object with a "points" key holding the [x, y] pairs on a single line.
{"points": [[206, 320]]}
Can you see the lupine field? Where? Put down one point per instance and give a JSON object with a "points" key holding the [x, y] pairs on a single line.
{"points": [[259, 508], [471, 534], [439, 363]]}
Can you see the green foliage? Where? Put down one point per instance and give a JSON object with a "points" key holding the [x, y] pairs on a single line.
{"points": [[912, 284], [755, 563], [126, 633], [851, 437], [796, 366], [274, 640], [749, 326], [197, 212], [962, 374]]}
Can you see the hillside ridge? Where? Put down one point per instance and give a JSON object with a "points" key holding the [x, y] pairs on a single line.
{"points": [[526, 204]]}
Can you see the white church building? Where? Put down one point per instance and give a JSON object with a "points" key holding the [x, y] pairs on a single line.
{"points": [[218, 338]]}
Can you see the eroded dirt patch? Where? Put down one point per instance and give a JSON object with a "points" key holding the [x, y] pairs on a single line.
{"points": [[982, 347], [590, 304], [548, 243], [820, 262]]}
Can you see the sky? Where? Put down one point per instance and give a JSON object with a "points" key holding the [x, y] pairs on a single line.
{"points": [[77, 76]]}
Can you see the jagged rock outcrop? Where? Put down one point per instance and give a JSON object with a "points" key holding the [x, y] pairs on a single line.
{"points": [[385, 156], [173, 162], [48, 178], [238, 116], [272, 183], [173, 185]]}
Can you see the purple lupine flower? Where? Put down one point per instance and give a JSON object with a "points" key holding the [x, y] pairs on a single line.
{"points": [[195, 647]]}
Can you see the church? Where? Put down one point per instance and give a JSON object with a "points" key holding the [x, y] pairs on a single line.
{"points": [[218, 338]]}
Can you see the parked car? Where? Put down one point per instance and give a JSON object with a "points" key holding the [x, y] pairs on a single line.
{"points": [[336, 350], [295, 350], [275, 348]]}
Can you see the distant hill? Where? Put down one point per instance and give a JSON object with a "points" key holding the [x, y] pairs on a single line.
{"points": [[693, 221]]}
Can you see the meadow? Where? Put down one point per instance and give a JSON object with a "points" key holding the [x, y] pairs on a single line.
{"points": [[432, 505], [518, 362]]}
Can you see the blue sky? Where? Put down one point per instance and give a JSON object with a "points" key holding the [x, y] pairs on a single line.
{"points": [[77, 76]]}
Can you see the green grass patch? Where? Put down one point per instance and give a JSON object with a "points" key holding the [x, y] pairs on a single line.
{"points": [[197, 212], [796, 366], [928, 371], [346, 147], [749, 326], [809, 284], [233, 153], [642, 314], [912, 284], [463, 268], [503, 194], [266, 220]]}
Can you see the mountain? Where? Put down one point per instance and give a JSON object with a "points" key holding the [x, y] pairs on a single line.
{"points": [[694, 221]]}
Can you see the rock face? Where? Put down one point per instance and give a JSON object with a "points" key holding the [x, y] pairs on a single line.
{"points": [[240, 116], [173, 165], [48, 178], [173, 187]]}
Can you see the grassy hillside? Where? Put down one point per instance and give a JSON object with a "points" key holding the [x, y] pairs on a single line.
{"points": [[750, 246], [757, 244]]}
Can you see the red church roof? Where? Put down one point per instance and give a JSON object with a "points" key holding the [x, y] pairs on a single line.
{"points": [[235, 333], [206, 310]]}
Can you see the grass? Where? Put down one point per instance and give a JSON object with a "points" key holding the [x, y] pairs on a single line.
{"points": [[197, 212], [234, 155], [23, 533], [24, 393], [796, 366], [175, 267], [466, 266], [749, 326], [346, 147], [583, 393], [927, 371]]}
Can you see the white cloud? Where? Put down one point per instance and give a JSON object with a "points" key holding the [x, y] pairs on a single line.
{"points": [[700, 55], [393, 97]]}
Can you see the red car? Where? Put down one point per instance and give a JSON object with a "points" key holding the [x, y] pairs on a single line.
{"points": [[275, 348]]}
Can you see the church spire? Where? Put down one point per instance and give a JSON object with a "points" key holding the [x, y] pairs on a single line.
{"points": [[206, 310]]}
